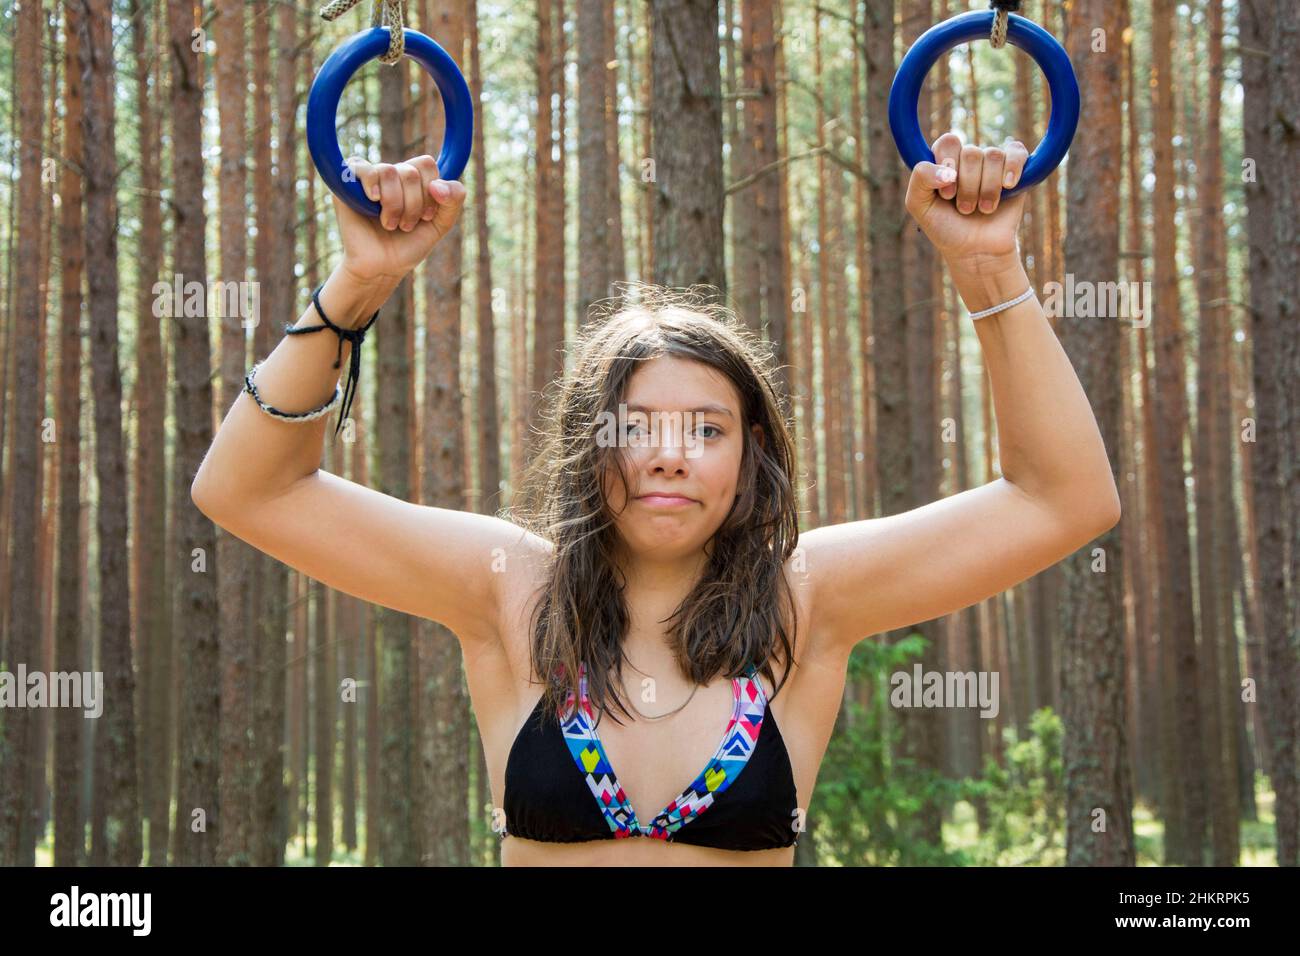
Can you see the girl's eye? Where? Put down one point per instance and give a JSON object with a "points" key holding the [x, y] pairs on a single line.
{"points": [[714, 431]]}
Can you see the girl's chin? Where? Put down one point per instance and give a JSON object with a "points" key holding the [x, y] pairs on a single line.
{"points": [[663, 535]]}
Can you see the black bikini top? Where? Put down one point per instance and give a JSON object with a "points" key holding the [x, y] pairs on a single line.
{"points": [[744, 799]]}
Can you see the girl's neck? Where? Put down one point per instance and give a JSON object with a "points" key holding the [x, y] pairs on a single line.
{"points": [[653, 591], [658, 581]]}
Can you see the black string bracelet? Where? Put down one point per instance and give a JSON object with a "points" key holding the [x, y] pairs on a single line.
{"points": [[355, 336]]}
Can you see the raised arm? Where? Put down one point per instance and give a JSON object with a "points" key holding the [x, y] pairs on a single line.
{"points": [[261, 479], [1056, 492]]}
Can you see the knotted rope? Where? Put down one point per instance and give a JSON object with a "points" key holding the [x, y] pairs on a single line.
{"points": [[388, 13], [999, 35]]}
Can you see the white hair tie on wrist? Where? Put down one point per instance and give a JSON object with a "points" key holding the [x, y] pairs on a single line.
{"points": [[1005, 305]]}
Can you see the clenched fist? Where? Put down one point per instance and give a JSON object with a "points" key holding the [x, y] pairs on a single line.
{"points": [[980, 223], [416, 210]]}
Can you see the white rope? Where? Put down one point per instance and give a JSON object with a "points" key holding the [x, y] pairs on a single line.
{"points": [[388, 13], [1004, 8], [999, 36]]}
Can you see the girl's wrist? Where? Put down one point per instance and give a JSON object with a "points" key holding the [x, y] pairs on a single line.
{"points": [[984, 263], [984, 282], [360, 273], [351, 298]]}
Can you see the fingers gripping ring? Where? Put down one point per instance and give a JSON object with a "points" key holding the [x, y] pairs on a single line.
{"points": [[327, 88], [1051, 58]]}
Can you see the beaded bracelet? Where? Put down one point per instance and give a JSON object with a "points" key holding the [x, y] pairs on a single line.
{"points": [[1005, 305], [274, 412]]}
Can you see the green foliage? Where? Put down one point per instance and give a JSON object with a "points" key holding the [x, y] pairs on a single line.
{"points": [[1148, 836], [1025, 799], [867, 794], [870, 795]]}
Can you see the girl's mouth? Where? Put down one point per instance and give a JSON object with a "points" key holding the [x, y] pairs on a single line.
{"points": [[665, 501]]}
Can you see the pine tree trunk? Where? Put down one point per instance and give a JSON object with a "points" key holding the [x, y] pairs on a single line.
{"points": [[843, 367], [686, 113], [806, 372], [7, 372], [392, 383], [613, 153], [151, 592], [234, 555], [1171, 417], [827, 317], [197, 801], [1157, 690], [1213, 449], [323, 737], [116, 752], [647, 147], [593, 159], [444, 440], [44, 544], [1283, 150], [866, 497], [299, 795], [887, 308], [548, 327], [922, 727], [1095, 755], [745, 275], [68, 837], [489, 414], [1242, 531], [773, 255], [17, 837], [965, 740]]}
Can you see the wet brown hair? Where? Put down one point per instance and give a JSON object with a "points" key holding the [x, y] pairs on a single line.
{"points": [[733, 616]]}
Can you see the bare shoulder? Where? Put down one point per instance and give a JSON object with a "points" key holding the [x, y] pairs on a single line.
{"points": [[520, 568], [817, 669]]}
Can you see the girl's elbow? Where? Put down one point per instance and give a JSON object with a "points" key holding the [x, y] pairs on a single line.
{"points": [[1091, 509], [1109, 508]]}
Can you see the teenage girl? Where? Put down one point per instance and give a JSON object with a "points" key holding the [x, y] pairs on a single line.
{"points": [[626, 634]]}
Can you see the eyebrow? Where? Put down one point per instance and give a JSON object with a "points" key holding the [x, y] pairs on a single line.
{"points": [[719, 409]]}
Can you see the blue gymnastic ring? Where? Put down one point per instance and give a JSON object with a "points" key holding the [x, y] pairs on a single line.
{"points": [[327, 88], [1051, 58]]}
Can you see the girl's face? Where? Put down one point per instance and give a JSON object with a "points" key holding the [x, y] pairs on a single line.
{"points": [[682, 443]]}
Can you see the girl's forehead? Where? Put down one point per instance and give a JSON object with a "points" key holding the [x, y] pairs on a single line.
{"points": [[674, 380]]}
